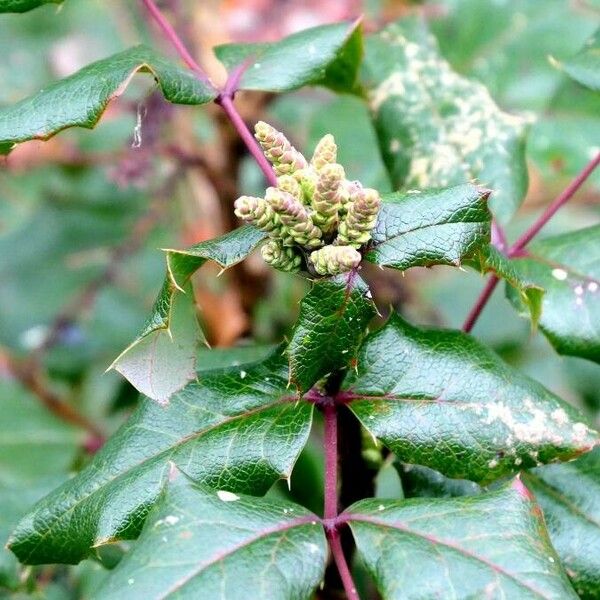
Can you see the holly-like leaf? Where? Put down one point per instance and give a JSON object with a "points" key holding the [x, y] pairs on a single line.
{"points": [[332, 321], [238, 428], [493, 545], [80, 99], [21, 6], [162, 359], [441, 227], [201, 543], [437, 128], [584, 67], [567, 267], [441, 399], [327, 55], [569, 495]]}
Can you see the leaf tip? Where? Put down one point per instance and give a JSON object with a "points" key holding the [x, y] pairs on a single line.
{"points": [[521, 489]]}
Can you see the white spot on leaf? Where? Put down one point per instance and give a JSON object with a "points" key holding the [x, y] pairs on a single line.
{"points": [[226, 496]]}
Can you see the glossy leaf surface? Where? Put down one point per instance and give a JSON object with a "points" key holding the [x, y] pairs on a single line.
{"points": [[201, 543], [21, 6], [332, 321], [431, 228], [437, 128], [80, 99], [237, 428], [441, 399], [493, 545]]}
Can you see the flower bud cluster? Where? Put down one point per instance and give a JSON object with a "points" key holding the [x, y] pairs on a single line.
{"points": [[314, 214]]}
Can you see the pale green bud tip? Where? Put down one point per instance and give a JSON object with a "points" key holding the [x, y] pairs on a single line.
{"points": [[280, 257], [333, 260], [289, 184], [246, 207], [325, 153], [278, 150]]}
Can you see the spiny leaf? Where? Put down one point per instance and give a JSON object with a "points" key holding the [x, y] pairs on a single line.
{"points": [[162, 359], [493, 545], [21, 6], [327, 55], [439, 398], [237, 428], [584, 67], [569, 495], [332, 321], [201, 543], [80, 99], [567, 267], [437, 128], [431, 228]]}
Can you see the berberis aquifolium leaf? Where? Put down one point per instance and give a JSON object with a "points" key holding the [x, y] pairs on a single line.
{"points": [[493, 545], [80, 99], [162, 359], [567, 267], [441, 399], [201, 543], [21, 6], [569, 495], [438, 227], [327, 55], [437, 128], [584, 67], [333, 319], [237, 428]]}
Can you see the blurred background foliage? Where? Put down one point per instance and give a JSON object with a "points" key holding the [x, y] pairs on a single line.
{"points": [[82, 218]]}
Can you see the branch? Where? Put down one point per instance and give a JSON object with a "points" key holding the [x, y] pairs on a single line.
{"points": [[517, 248], [330, 442], [337, 551]]}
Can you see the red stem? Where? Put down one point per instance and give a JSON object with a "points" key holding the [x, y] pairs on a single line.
{"points": [[340, 560], [330, 440], [517, 248]]}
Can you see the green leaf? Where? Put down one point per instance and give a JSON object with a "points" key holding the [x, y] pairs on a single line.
{"points": [[569, 495], [584, 67], [21, 6], [493, 545], [332, 322], [423, 482], [441, 399], [327, 55], [162, 359], [80, 99], [437, 128], [567, 267], [441, 227], [36, 452], [201, 543], [237, 428]]}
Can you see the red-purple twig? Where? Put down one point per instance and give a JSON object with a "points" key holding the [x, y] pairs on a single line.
{"points": [[517, 248], [340, 560], [331, 459]]}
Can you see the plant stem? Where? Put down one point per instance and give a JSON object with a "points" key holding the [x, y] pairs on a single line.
{"points": [[528, 235], [225, 97], [337, 551], [330, 448]]}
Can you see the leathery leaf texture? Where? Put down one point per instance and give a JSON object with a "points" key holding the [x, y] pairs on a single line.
{"points": [[162, 359], [421, 229], [441, 399], [80, 99], [333, 319], [236, 428], [494, 545], [202, 543]]}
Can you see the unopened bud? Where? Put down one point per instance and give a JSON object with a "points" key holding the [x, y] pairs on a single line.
{"points": [[278, 150], [360, 219], [257, 212], [325, 153], [327, 197], [307, 178], [287, 183], [280, 257], [297, 223], [333, 260]]}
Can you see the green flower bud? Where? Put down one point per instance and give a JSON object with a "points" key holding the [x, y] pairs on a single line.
{"points": [[288, 184], [307, 178], [258, 212], [327, 198], [360, 219], [280, 257], [325, 153], [333, 260], [297, 223], [278, 150]]}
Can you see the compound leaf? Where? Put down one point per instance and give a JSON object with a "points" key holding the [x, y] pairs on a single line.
{"points": [[201, 543], [236, 428], [440, 399]]}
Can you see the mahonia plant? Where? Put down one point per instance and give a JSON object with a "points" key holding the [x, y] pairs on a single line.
{"points": [[314, 216], [497, 478]]}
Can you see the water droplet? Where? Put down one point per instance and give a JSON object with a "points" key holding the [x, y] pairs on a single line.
{"points": [[226, 496]]}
